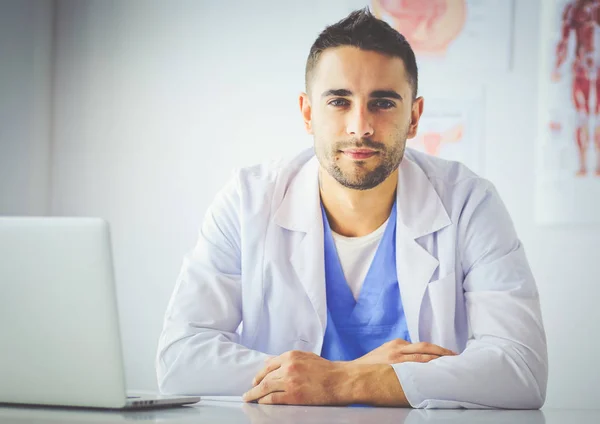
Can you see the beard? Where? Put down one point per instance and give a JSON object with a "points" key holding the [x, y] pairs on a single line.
{"points": [[358, 176]]}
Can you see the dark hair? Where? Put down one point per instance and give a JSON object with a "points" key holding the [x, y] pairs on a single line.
{"points": [[363, 30]]}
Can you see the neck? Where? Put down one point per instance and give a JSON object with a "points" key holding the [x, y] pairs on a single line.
{"points": [[356, 213]]}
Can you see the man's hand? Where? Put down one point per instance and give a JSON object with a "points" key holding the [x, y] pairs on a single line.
{"points": [[398, 350], [303, 378], [298, 378]]}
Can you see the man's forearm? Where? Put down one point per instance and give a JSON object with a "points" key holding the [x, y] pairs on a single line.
{"points": [[205, 365], [371, 385]]}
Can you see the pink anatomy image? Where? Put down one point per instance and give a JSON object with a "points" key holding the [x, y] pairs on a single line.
{"points": [[578, 47], [429, 26], [431, 141], [451, 128]]}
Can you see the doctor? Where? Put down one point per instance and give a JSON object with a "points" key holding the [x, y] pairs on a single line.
{"points": [[360, 271]]}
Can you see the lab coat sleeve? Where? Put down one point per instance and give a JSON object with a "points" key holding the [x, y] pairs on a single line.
{"points": [[199, 350], [505, 362]]}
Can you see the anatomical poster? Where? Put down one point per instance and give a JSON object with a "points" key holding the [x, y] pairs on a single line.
{"points": [[452, 128], [568, 148], [458, 34]]}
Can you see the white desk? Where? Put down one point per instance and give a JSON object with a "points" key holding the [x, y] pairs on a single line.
{"points": [[236, 412]]}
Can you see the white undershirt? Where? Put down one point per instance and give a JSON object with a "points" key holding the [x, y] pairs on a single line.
{"points": [[356, 255]]}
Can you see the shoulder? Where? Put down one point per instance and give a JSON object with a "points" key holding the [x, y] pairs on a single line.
{"points": [[270, 171], [464, 195], [473, 205], [262, 178], [254, 187], [447, 176]]}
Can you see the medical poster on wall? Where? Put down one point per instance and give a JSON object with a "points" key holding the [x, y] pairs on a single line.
{"points": [[452, 32], [452, 128], [568, 148]]}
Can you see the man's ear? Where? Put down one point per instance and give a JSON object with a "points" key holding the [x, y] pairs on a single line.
{"points": [[415, 115], [306, 111]]}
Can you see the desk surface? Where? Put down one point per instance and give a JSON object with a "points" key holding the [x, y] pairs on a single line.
{"points": [[237, 412]]}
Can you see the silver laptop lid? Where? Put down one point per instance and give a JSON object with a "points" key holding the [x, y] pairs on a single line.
{"points": [[58, 314]]}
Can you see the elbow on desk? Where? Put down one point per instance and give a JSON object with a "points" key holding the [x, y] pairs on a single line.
{"points": [[175, 379], [531, 376], [166, 376], [192, 374], [489, 376], [171, 374]]}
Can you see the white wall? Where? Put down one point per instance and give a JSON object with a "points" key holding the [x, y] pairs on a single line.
{"points": [[157, 102], [25, 87]]}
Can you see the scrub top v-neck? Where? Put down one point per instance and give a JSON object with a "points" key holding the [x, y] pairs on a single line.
{"points": [[357, 326]]}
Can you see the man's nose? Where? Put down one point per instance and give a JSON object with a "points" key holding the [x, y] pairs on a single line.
{"points": [[359, 123]]}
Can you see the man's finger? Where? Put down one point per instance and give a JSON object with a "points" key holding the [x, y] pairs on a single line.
{"points": [[267, 386], [275, 398], [418, 357], [271, 366], [426, 349]]}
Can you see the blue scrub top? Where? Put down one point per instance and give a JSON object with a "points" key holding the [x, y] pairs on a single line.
{"points": [[356, 327]]}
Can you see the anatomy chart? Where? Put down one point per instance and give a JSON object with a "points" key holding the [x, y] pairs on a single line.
{"points": [[451, 128], [459, 34], [568, 165]]}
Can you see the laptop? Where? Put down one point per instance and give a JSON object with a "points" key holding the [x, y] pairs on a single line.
{"points": [[59, 328]]}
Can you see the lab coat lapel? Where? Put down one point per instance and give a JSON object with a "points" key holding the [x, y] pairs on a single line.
{"points": [[420, 212], [300, 211]]}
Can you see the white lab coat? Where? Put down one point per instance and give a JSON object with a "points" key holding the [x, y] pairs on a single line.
{"points": [[254, 285]]}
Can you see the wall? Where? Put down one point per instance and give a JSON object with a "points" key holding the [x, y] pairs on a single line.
{"points": [[25, 114]]}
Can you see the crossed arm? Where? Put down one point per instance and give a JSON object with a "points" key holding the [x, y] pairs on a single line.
{"points": [[304, 378]]}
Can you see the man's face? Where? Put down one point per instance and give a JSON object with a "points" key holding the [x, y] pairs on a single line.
{"points": [[360, 112]]}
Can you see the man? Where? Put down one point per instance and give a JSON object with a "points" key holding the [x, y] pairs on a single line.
{"points": [[357, 272]]}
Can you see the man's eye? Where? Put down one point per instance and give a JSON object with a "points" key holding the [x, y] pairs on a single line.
{"points": [[339, 102], [382, 104]]}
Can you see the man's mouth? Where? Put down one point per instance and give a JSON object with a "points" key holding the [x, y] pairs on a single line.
{"points": [[359, 154]]}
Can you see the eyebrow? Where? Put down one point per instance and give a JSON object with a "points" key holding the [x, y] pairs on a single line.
{"points": [[378, 94], [386, 93]]}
